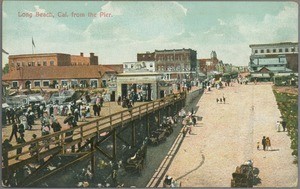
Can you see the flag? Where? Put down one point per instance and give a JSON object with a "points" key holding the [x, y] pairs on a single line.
{"points": [[33, 43], [5, 52]]}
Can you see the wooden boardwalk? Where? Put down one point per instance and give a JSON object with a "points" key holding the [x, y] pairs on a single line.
{"points": [[81, 133]]}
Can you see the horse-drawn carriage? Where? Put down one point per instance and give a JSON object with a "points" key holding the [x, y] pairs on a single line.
{"points": [[135, 162], [243, 175], [157, 136]]}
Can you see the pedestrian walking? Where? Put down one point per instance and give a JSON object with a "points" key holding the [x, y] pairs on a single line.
{"points": [[101, 101], [95, 109], [14, 131], [268, 143], [56, 128], [20, 140], [98, 109], [119, 100], [263, 142], [6, 146], [70, 121], [8, 115], [45, 128], [217, 100], [283, 125], [33, 146], [278, 126], [21, 128], [220, 100], [12, 115], [83, 112], [224, 99], [257, 146]]}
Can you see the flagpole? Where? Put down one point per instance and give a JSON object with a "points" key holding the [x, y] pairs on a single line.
{"points": [[32, 46]]}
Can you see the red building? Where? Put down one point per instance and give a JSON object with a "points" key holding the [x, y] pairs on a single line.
{"points": [[50, 59], [52, 76]]}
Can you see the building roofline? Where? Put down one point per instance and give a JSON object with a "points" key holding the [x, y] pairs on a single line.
{"points": [[39, 54], [171, 50], [281, 43], [42, 54]]}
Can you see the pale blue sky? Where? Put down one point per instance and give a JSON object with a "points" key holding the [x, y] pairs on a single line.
{"points": [[226, 27]]}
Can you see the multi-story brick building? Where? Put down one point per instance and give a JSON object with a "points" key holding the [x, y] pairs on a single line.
{"points": [[176, 60], [50, 59], [174, 63], [146, 56]]}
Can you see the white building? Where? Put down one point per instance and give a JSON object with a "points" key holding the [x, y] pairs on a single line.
{"points": [[274, 48], [148, 66]]}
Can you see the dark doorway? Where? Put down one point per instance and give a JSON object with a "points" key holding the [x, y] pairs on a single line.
{"points": [[27, 84], [162, 93], [113, 96], [149, 91], [124, 90]]}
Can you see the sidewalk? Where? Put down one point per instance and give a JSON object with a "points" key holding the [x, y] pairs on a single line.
{"points": [[227, 137]]}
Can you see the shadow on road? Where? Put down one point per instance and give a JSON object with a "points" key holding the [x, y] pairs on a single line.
{"points": [[189, 172], [273, 150]]}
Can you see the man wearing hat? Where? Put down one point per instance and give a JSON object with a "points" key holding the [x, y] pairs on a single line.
{"points": [[14, 131], [20, 140], [56, 127]]}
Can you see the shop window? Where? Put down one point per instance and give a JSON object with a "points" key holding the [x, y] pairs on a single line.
{"points": [[15, 84], [46, 83], [37, 83]]}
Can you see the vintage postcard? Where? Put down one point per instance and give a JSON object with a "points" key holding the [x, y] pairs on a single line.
{"points": [[149, 94]]}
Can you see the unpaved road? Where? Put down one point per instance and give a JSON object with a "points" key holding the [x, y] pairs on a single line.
{"points": [[227, 136]]}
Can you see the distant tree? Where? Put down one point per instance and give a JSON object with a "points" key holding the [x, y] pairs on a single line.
{"points": [[5, 70], [271, 74]]}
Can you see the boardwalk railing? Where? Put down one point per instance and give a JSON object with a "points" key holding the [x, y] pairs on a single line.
{"points": [[57, 142]]}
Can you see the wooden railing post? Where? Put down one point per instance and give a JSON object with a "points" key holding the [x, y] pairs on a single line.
{"points": [[122, 119], [81, 133], [97, 126], [133, 137], [140, 112], [114, 144], [93, 162], [62, 141]]}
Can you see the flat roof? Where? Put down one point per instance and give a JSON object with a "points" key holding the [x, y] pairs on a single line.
{"points": [[267, 44], [139, 74]]}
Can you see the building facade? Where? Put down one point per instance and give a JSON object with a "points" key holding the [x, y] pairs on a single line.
{"points": [[94, 76], [176, 60], [206, 65], [289, 49], [274, 48], [263, 66], [147, 66], [174, 64], [50, 59]]}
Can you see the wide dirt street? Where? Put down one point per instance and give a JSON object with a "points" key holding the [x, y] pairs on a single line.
{"points": [[227, 136]]}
